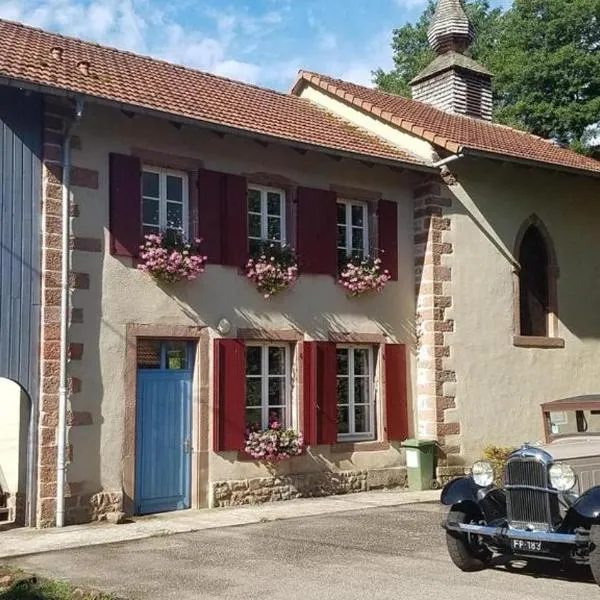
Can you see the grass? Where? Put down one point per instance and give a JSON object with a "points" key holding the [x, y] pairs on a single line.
{"points": [[32, 589]]}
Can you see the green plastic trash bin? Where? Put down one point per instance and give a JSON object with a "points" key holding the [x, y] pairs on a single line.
{"points": [[420, 455]]}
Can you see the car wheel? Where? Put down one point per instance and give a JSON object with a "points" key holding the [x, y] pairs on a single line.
{"points": [[466, 550], [595, 552]]}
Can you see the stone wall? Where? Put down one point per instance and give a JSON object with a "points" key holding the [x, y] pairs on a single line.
{"points": [[304, 485]]}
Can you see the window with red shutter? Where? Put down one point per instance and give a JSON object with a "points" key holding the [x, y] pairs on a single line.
{"points": [[325, 386], [211, 204], [388, 236], [230, 394], [125, 205], [309, 393], [396, 392], [235, 221], [317, 252]]}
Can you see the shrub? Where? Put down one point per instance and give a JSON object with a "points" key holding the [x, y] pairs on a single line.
{"points": [[274, 443], [272, 269], [166, 257], [361, 275], [496, 456]]}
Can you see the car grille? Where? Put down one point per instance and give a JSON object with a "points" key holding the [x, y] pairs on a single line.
{"points": [[529, 507]]}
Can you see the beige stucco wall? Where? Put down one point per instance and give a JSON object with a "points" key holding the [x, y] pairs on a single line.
{"points": [[119, 294], [14, 405], [499, 386], [416, 146]]}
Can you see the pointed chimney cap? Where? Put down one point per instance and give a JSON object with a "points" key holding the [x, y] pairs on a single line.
{"points": [[450, 28]]}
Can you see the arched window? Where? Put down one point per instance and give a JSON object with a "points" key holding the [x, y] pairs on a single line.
{"points": [[537, 281]]}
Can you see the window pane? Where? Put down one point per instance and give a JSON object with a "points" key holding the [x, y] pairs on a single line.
{"points": [[150, 184], [361, 361], [276, 391], [174, 215], [150, 212], [343, 422], [254, 201], [254, 226], [361, 419], [342, 390], [273, 228], [341, 236], [177, 358], [254, 247], [274, 203], [361, 390], [358, 236], [149, 229], [253, 360], [174, 188], [358, 214], [148, 354], [254, 418], [279, 415], [253, 391], [342, 361], [276, 360], [342, 257], [341, 213]]}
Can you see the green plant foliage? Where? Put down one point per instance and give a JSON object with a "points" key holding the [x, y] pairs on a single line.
{"points": [[496, 456], [545, 56]]}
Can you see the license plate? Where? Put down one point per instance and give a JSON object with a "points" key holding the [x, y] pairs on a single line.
{"points": [[526, 546]]}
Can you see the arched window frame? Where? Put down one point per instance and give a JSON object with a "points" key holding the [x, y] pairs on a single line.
{"points": [[552, 339]]}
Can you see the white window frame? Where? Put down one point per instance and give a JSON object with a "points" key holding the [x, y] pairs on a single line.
{"points": [[162, 199], [264, 222], [348, 204], [352, 436], [264, 378]]}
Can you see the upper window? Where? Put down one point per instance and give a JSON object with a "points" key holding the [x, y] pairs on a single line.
{"points": [[267, 385], [164, 201], [534, 284], [352, 230], [355, 401], [266, 217]]}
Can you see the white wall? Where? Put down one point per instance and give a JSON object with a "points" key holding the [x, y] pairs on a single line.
{"points": [[14, 408]]}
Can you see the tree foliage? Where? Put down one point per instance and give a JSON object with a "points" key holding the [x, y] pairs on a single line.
{"points": [[545, 56]]}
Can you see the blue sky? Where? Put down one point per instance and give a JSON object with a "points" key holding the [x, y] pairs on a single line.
{"points": [[258, 41]]}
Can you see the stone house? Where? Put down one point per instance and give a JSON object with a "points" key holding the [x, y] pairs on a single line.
{"points": [[489, 310]]}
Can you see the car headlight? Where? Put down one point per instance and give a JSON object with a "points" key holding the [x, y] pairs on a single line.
{"points": [[483, 473], [562, 477]]}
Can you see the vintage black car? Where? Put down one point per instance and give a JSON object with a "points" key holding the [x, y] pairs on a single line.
{"points": [[549, 504]]}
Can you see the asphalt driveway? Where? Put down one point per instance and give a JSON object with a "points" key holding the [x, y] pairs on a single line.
{"points": [[376, 554]]}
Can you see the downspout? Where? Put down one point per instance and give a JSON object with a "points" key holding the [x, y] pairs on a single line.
{"points": [[449, 159], [64, 316]]}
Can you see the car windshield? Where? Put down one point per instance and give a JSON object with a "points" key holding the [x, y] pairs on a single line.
{"points": [[573, 422]]}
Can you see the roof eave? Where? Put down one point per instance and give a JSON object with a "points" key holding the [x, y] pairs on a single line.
{"points": [[530, 162], [214, 126]]}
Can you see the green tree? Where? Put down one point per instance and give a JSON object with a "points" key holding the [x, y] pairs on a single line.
{"points": [[545, 55]]}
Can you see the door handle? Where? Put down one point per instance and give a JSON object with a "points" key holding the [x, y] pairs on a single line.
{"points": [[187, 446]]}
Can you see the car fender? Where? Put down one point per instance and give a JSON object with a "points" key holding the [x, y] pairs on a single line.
{"points": [[587, 505], [490, 502], [459, 490]]}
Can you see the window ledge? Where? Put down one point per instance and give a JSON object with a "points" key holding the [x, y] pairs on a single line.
{"points": [[537, 341], [369, 446]]}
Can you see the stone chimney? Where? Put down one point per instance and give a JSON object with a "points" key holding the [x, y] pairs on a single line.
{"points": [[453, 82]]}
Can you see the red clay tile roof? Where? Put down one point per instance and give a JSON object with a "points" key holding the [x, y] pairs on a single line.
{"points": [[26, 55], [451, 132]]}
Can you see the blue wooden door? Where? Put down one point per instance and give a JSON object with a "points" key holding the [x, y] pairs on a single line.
{"points": [[163, 432]]}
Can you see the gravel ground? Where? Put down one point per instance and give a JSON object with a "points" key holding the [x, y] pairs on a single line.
{"points": [[376, 554]]}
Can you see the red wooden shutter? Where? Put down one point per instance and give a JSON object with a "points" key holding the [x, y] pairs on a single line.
{"points": [[230, 394], [235, 223], [317, 224], [388, 236], [325, 376], [211, 205], [125, 204], [396, 392], [309, 393]]}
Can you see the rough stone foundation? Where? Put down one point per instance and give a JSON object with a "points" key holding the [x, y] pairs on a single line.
{"points": [[304, 485]]}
